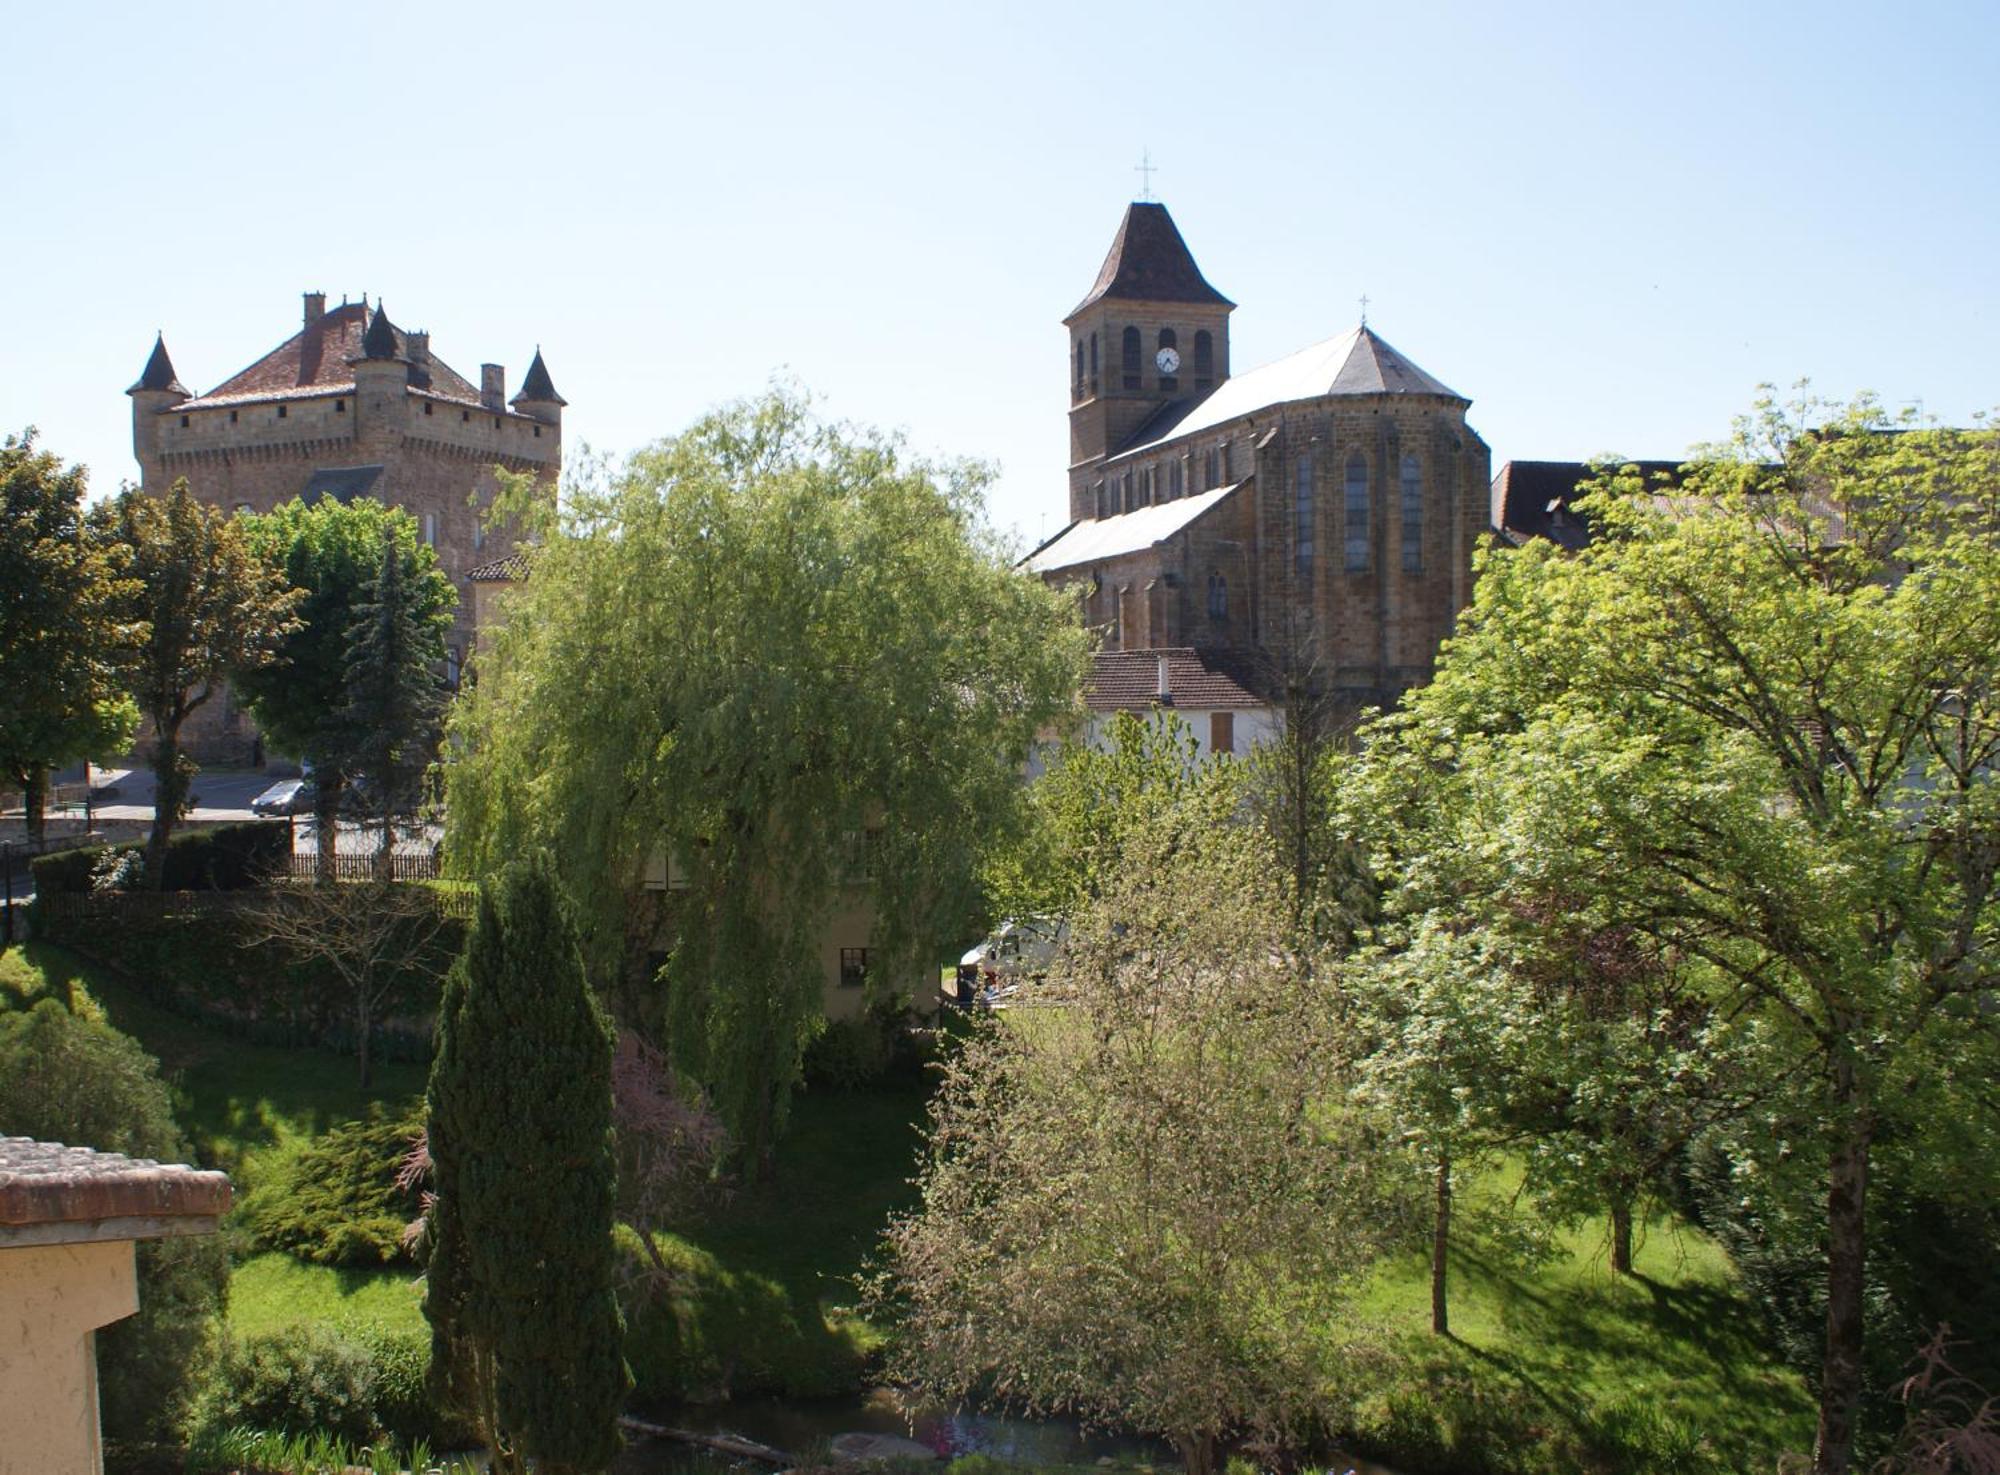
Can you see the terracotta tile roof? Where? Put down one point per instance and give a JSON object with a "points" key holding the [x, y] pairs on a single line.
{"points": [[1198, 680], [511, 569], [314, 361], [1149, 262], [45, 1184]]}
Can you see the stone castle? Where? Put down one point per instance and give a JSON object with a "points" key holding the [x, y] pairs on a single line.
{"points": [[349, 406]]}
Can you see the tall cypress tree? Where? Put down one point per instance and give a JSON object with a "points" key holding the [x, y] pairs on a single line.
{"points": [[393, 696], [526, 1332]]}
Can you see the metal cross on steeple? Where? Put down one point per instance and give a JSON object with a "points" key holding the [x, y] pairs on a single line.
{"points": [[1364, 309], [1144, 169]]}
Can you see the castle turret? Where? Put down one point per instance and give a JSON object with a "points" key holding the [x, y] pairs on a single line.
{"points": [[381, 384], [158, 390], [1150, 331], [538, 399]]}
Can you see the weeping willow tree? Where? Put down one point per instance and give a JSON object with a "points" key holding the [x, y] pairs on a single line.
{"points": [[759, 641]]}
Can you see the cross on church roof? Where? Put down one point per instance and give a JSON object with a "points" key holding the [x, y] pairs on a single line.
{"points": [[1364, 309], [1144, 169]]}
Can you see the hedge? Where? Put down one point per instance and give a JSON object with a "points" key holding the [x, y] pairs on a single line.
{"points": [[220, 858]]}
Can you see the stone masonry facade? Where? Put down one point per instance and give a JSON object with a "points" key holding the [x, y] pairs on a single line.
{"points": [[350, 406]]}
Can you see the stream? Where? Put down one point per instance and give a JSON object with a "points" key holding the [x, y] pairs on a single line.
{"points": [[803, 1426]]}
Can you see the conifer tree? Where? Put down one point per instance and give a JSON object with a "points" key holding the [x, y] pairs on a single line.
{"points": [[526, 1333], [393, 699]]}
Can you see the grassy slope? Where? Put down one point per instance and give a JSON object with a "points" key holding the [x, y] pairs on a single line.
{"points": [[1672, 1359]]}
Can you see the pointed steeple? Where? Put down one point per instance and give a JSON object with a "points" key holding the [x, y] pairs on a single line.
{"points": [[379, 342], [537, 388], [159, 372], [1149, 262]]}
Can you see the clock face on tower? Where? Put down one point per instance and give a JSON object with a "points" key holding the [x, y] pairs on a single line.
{"points": [[1168, 360]]}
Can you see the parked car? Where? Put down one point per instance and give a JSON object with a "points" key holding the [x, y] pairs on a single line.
{"points": [[1017, 951], [286, 796]]}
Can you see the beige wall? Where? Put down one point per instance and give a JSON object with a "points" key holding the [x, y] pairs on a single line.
{"points": [[52, 1298]]}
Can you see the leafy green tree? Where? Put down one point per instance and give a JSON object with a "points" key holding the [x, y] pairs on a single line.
{"points": [[59, 633], [760, 639], [64, 1078], [201, 607], [336, 553], [1089, 802], [393, 687], [526, 1333], [1147, 1200], [1755, 722]]}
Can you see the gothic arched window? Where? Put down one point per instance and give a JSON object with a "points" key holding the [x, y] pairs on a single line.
{"points": [[1218, 597], [1079, 366], [1204, 357], [1129, 352], [1357, 512], [1413, 515], [1093, 363]]}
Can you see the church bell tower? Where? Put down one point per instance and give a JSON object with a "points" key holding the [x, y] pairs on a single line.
{"points": [[1150, 333]]}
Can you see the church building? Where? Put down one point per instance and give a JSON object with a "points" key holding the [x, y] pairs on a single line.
{"points": [[349, 406], [1315, 516]]}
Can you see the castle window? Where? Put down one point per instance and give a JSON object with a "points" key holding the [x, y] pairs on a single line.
{"points": [[1129, 352], [281, 412], [538, 432], [496, 422], [1357, 512], [427, 407], [465, 416], [232, 417], [1204, 358], [340, 407], [853, 967], [1302, 514], [184, 422], [1413, 516], [1218, 597]]}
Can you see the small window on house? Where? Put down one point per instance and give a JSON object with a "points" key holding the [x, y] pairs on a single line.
{"points": [[184, 422], [1218, 598], [232, 417], [1302, 514], [427, 407], [1413, 516], [465, 416], [281, 412], [858, 849], [1204, 358], [538, 432], [1356, 547], [340, 407], [1129, 352], [496, 422], [853, 967], [1222, 732]]}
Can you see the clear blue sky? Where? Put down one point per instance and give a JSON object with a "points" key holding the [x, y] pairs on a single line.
{"points": [[1603, 223]]}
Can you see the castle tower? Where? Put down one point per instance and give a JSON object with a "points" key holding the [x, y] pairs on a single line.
{"points": [[1150, 333], [538, 399], [158, 389]]}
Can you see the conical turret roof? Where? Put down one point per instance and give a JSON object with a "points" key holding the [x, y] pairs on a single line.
{"points": [[380, 341], [159, 372], [538, 388], [1149, 262]]}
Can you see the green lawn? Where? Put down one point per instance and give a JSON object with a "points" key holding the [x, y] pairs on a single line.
{"points": [[1552, 1366]]}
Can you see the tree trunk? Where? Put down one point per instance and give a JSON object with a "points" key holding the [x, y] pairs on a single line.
{"points": [[35, 804], [363, 1028], [1440, 1244], [326, 825], [171, 782], [1197, 1453], [1621, 1235], [1846, 1253]]}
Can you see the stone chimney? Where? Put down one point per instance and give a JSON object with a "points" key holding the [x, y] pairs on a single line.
{"points": [[1165, 694], [419, 347], [493, 387], [315, 307]]}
